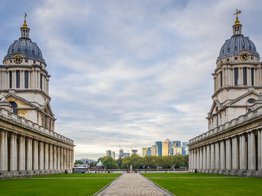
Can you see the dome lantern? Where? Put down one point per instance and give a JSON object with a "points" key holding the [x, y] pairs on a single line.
{"points": [[237, 27], [24, 29]]}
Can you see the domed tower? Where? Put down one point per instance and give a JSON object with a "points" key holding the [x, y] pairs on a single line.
{"points": [[24, 80], [237, 78]]}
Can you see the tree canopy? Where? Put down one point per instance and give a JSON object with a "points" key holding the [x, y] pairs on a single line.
{"points": [[148, 162]]}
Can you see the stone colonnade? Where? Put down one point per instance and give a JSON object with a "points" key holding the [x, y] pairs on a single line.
{"points": [[22, 155], [237, 155]]}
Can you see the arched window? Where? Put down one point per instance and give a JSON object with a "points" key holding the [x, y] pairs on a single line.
{"points": [[14, 107]]}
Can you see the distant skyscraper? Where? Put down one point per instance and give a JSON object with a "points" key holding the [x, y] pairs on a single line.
{"points": [[126, 154], [149, 150], [159, 148], [109, 153], [166, 148], [177, 150], [184, 144], [185, 148], [144, 151], [121, 152], [154, 151], [177, 143], [113, 155]]}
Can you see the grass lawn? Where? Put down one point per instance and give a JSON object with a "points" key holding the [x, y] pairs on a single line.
{"points": [[58, 184], [183, 184]]}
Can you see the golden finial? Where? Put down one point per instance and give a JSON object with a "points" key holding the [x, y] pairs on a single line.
{"points": [[25, 24], [236, 14]]}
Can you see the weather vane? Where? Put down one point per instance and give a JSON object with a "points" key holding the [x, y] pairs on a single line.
{"points": [[25, 16], [237, 12]]}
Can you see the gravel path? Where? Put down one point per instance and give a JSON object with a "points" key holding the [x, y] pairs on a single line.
{"points": [[132, 184]]}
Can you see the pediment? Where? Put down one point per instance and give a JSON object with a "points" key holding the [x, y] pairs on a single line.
{"points": [[47, 109], [216, 105], [21, 103], [242, 100]]}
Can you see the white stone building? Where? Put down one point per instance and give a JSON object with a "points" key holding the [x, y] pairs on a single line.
{"points": [[28, 143], [233, 142]]}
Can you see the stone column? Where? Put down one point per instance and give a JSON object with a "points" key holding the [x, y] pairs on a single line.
{"points": [[259, 141], [222, 156], [58, 158], [72, 159], [29, 154], [21, 148], [41, 156], [235, 158], [243, 152], [62, 158], [195, 160], [200, 158], [189, 159], [3, 151], [35, 155], [228, 154], [55, 158], [46, 156], [217, 155], [204, 158], [212, 157], [208, 157], [13, 152], [51, 157], [251, 151]]}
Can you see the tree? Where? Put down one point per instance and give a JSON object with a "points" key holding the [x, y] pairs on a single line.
{"points": [[135, 160], [179, 161], [108, 162], [78, 162]]}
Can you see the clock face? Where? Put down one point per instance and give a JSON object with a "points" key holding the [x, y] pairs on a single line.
{"points": [[18, 59], [244, 56]]}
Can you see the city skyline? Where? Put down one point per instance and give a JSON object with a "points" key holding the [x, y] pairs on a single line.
{"points": [[126, 74]]}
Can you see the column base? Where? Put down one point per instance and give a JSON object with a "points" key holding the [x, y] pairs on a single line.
{"points": [[259, 173], [242, 172], [251, 172], [234, 172]]}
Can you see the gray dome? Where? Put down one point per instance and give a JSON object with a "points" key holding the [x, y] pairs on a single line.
{"points": [[25, 47], [235, 45]]}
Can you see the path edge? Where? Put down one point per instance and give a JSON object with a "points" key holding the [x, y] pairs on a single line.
{"points": [[104, 187], [171, 194]]}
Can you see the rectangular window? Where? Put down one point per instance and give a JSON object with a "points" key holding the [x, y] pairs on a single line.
{"points": [[236, 76], [17, 79], [245, 76], [252, 76], [26, 79], [221, 79], [10, 79], [41, 81]]}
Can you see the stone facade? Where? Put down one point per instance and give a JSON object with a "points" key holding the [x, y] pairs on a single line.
{"points": [[233, 143], [28, 143]]}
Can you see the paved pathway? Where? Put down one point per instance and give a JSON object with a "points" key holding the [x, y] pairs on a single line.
{"points": [[132, 184]]}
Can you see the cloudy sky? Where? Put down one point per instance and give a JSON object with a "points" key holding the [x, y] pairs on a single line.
{"points": [[126, 73]]}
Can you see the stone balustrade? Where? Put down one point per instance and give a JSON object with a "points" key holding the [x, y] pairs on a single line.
{"points": [[227, 125], [5, 114]]}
